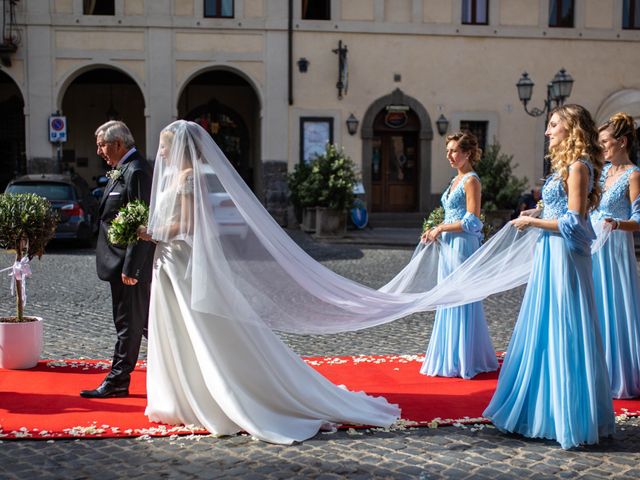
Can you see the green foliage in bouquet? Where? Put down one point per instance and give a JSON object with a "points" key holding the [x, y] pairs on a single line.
{"points": [[501, 189], [27, 223], [123, 228], [436, 217]]}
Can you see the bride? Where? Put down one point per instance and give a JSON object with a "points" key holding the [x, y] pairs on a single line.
{"points": [[213, 359]]}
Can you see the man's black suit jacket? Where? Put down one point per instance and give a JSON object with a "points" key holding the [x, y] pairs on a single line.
{"points": [[135, 260]]}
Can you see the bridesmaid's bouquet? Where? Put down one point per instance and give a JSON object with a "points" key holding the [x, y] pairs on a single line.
{"points": [[123, 228], [436, 217]]}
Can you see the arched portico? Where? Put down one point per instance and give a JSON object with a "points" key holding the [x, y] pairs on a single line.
{"points": [[411, 116], [89, 97], [627, 100], [226, 103]]}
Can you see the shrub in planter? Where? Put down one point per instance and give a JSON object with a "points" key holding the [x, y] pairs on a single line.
{"points": [[331, 180], [329, 187], [501, 189], [295, 180], [27, 223]]}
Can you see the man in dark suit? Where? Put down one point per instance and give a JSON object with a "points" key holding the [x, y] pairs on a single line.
{"points": [[127, 269]]}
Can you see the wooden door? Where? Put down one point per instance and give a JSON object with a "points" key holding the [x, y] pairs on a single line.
{"points": [[395, 172]]}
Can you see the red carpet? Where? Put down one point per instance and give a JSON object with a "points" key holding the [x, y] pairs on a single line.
{"points": [[44, 403]]}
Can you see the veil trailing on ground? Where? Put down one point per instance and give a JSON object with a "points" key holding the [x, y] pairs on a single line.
{"points": [[245, 267]]}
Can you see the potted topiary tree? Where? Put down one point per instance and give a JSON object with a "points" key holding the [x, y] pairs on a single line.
{"points": [[329, 186], [301, 197], [27, 223], [501, 189]]}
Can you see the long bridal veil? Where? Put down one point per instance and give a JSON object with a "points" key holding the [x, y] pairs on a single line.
{"points": [[244, 266]]}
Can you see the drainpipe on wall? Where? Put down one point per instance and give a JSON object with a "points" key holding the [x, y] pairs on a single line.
{"points": [[290, 52]]}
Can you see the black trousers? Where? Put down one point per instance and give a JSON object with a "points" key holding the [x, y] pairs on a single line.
{"points": [[130, 317]]}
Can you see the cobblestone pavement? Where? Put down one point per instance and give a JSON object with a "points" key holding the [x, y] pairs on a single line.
{"points": [[64, 289]]}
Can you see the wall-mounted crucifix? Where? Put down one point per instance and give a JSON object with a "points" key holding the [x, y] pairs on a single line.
{"points": [[343, 69]]}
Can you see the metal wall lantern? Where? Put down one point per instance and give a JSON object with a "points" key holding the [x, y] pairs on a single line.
{"points": [[303, 65], [442, 124], [352, 124]]}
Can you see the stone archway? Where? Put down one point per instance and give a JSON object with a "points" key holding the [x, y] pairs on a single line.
{"points": [[424, 134], [12, 134], [96, 95], [225, 104]]}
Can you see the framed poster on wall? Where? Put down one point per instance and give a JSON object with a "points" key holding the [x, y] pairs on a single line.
{"points": [[315, 133]]}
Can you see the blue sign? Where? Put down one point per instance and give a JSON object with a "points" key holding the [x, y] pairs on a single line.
{"points": [[57, 129]]}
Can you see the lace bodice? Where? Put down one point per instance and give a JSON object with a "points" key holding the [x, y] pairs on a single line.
{"points": [[554, 195], [615, 200], [454, 201]]}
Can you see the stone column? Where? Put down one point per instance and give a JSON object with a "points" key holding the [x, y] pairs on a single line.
{"points": [[39, 101], [275, 127]]}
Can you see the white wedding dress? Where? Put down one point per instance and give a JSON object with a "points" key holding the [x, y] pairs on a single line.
{"points": [[228, 376], [219, 366]]}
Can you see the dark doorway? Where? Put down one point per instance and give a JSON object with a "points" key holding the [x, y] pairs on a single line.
{"points": [[395, 168], [226, 105], [12, 137], [93, 98]]}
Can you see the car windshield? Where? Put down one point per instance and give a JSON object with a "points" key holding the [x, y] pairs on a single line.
{"points": [[50, 191]]}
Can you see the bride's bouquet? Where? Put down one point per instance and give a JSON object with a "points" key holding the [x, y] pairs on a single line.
{"points": [[123, 229]]}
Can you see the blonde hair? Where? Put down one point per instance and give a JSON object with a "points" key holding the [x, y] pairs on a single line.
{"points": [[581, 142], [168, 135], [468, 143], [622, 125]]}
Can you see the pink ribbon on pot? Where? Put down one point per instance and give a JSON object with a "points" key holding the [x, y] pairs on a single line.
{"points": [[20, 270]]}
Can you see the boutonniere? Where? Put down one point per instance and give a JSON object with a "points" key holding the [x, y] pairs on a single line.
{"points": [[114, 174]]}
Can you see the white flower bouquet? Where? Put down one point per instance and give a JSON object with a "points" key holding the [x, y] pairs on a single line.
{"points": [[123, 228]]}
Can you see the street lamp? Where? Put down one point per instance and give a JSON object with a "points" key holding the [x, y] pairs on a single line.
{"points": [[558, 90]]}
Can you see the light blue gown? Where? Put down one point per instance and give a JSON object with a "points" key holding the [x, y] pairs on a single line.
{"points": [[618, 291], [554, 382], [460, 345]]}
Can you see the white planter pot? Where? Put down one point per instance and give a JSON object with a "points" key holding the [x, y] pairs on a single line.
{"points": [[20, 344]]}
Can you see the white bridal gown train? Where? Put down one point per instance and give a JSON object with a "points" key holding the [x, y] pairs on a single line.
{"points": [[228, 375]]}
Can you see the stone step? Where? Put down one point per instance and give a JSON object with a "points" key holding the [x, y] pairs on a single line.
{"points": [[396, 219]]}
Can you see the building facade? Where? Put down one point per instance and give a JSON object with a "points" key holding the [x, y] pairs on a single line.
{"points": [[273, 80]]}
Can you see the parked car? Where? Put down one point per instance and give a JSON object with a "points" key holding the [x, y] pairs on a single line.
{"points": [[71, 198], [225, 212], [101, 182]]}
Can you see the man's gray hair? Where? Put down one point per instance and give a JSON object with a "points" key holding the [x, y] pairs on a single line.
{"points": [[115, 130]]}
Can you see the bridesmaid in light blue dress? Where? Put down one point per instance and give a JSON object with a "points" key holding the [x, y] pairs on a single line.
{"points": [[554, 382], [614, 265], [460, 344]]}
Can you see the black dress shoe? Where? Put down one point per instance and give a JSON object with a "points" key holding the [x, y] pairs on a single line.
{"points": [[106, 390]]}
